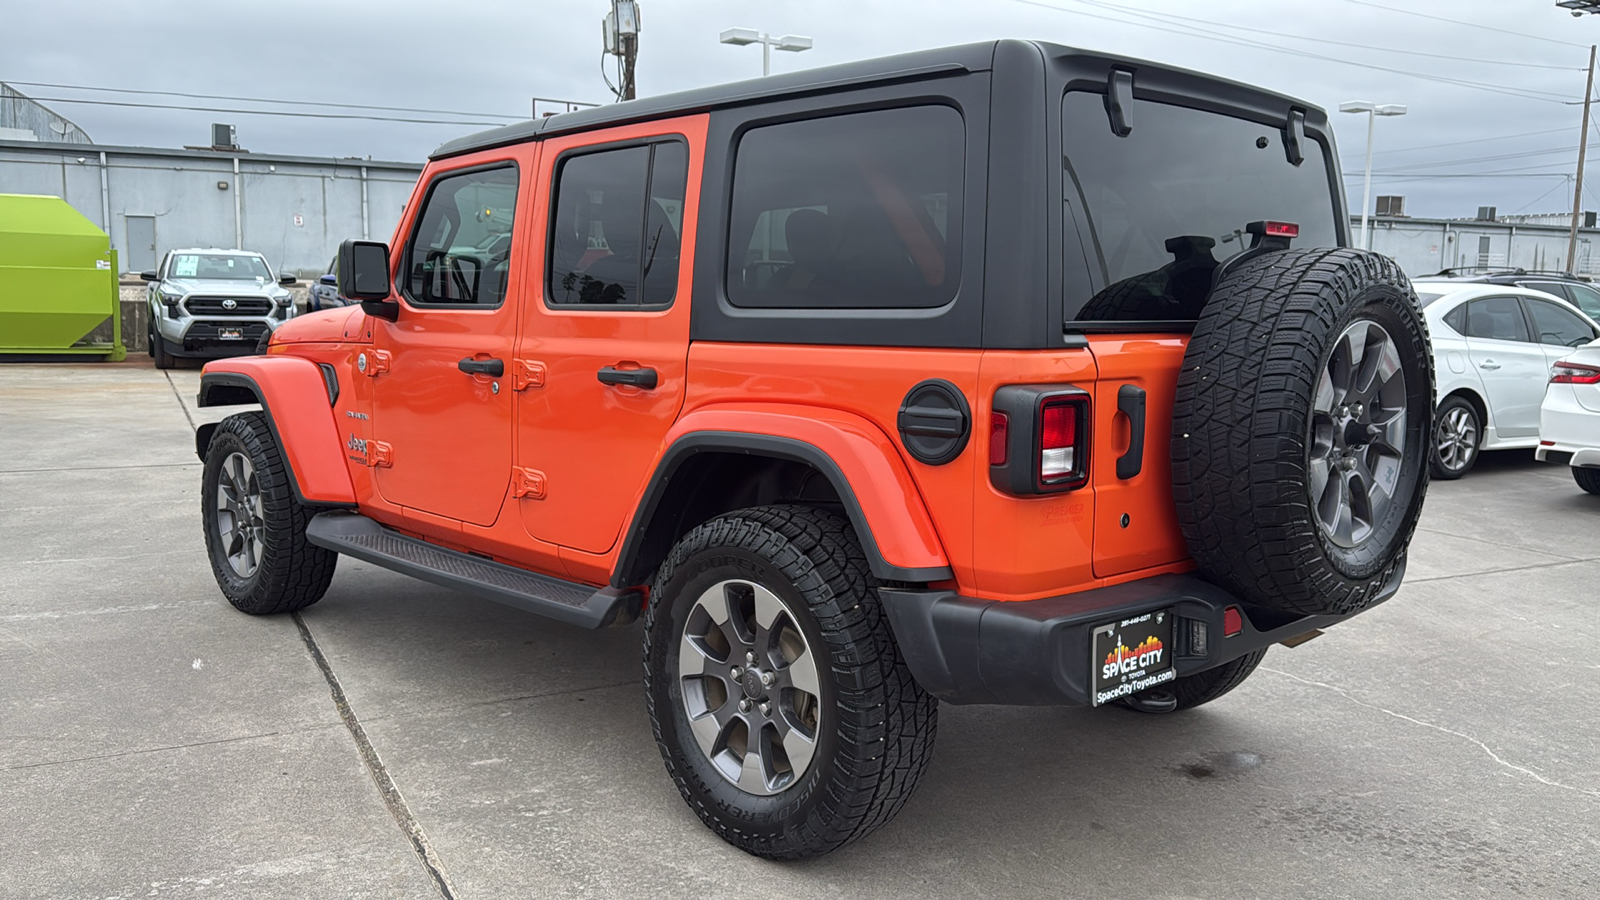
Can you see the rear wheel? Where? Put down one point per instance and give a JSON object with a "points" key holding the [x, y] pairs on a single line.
{"points": [[1588, 479], [1457, 431], [778, 697], [1300, 429], [255, 529]]}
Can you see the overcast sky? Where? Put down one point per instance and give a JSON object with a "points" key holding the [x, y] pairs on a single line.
{"points": [[1492, 101]]}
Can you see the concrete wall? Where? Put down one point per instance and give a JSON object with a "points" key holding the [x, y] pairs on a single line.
{"points": [[1424, 246], [254, 210]]}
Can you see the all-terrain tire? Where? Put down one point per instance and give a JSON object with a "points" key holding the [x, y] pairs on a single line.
{"points": [[290, 572], [875, 725], [1203, 687], [1588, 479], [1243, 430]]}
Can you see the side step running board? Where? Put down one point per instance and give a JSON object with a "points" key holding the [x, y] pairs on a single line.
{"points": [[565, 601]]}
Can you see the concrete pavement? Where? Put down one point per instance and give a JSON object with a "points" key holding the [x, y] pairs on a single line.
{"points": [[153, 741]]}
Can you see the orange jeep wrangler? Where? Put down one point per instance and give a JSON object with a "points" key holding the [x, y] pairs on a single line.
{"points": [[1005, 373]]}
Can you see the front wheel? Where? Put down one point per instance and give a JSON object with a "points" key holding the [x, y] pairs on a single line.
{"points": [[778, 697], [158, 349], [255, 529]]}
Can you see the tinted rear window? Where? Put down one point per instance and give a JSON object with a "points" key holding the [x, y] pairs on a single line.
{"points": [[1157, 210], [851, 211]]}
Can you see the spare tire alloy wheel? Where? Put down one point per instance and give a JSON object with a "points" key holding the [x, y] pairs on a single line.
{"points": [[1358, 433], [749, 686], [1300, 430]]}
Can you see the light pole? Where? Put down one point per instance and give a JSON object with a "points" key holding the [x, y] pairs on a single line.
{"points": [[738, 37], [1372, 110]]}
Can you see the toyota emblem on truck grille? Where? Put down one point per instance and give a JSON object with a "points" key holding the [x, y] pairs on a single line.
{"points": [[230, 303]]}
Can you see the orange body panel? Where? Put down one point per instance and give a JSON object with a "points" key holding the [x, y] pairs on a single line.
{"points": [[1150, 536], [346, 324], [595, 444], [450, 431], [296, 397]]}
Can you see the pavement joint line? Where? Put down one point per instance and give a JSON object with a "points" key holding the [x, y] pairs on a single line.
{"points": [[78, 559], [181, 405], [1548, 565], [1466, 737], [60, 762], [392, 798], [1466, 537], [182, 465], [424, 714]]}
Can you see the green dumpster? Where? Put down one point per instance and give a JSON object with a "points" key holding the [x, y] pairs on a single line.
{"points": [[58, 279]]}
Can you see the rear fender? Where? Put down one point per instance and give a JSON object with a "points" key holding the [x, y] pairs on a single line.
{"points": [[861, 463], [296, 398]]}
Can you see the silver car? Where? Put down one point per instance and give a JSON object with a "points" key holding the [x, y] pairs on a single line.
{"points": [[213, 303]]}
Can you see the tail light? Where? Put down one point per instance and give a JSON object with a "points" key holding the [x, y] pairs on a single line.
{"points": [[1039, 439], [1058, 440], [1574, 373]]}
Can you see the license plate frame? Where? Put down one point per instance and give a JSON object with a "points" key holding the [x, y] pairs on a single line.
{"points": [[230, 334], [1131, 654]]}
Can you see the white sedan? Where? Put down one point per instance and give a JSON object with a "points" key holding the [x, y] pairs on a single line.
{"points": [[1493, 348], [1569, 421]]}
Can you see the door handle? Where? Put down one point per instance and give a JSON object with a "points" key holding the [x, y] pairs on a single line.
{"points": [[1489, 364], [1130, 402], [492, 367], [639, 378]]}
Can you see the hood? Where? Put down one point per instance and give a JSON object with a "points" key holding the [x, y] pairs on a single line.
{"points": [[343, 325], [223, 287]]}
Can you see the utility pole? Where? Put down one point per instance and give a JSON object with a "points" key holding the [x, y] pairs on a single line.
{"points": [[621, 30], [1577, 188]]}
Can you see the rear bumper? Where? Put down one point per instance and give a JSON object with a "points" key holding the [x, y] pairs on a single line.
{"points": [[1037, 652]]}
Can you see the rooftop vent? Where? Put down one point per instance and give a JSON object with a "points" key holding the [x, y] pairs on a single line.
{"points": [[1391, 206], [224, 137]]}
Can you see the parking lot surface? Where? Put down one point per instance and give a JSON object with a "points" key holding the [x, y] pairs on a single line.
{"points": [[401, 740]]}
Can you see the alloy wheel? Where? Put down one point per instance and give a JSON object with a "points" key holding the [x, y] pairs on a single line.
{"points": [[1456, 439], [1358, 434], [750, 686], [241, 523]]}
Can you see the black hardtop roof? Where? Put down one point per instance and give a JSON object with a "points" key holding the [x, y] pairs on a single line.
{"points": [[900, 67]]}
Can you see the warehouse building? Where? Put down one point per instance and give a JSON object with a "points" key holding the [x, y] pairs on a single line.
{"points": [[293, 209]]}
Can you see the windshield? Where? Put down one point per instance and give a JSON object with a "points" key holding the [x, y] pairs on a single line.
{"points": [[1158, 209], [219, 266]]}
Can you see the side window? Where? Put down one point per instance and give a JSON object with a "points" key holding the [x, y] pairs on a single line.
{"points": [[1499, 318], [1549, 287], [618, 229], [1457, 319], [1558, 326], [861, 210], [1586, 298], [459, 253]]}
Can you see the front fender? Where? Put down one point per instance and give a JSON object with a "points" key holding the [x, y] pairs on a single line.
{"points": [[295, 397], [865, 468]]}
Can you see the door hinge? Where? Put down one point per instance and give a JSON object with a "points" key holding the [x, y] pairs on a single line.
{"points": [[527, 483], [373, 363], [379, 454], [527, 373]]}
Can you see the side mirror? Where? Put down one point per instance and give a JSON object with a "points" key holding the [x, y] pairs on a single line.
{"points": [[329, 279], [287, 280], [364, 276], [150, 276]]}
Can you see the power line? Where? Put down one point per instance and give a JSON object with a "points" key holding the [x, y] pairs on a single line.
{"points": [[1323, 40], [85, 87], [1420, 15], [1192, 31], [266, 112], [1498, 137], [1495, 158]]}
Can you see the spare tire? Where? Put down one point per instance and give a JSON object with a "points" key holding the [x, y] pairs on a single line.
{"points": [[1300, 430]]}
